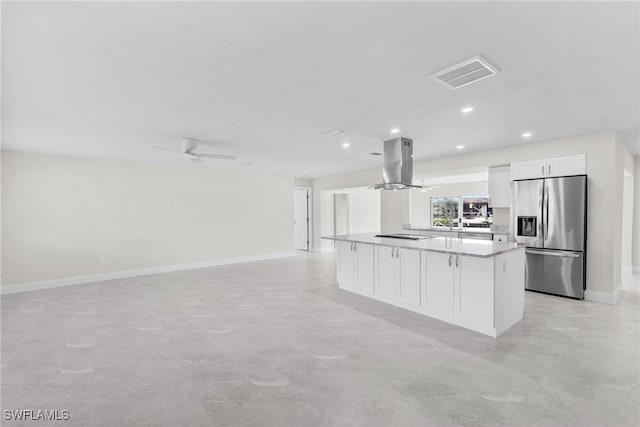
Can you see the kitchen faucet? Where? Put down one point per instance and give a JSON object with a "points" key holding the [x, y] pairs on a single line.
{"points": [[449, 216]]}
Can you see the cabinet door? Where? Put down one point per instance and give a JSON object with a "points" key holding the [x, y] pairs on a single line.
{"points": [[500, 187], [409, 277], [438, 295], [387, 274], [364, 268], [529, 169], [567, 165], [346, 265], [473, 289]]}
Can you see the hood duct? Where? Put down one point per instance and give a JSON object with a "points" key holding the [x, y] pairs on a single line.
{"points": [[397, 173]]}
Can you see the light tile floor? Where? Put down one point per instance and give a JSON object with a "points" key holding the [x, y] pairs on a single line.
{"points": [[275, 343]]}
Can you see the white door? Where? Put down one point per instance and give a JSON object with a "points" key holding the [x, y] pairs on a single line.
{"points": [[301, 217], [438, 295], [365, 265], [340, 213], [409, 277], [387, 274]]}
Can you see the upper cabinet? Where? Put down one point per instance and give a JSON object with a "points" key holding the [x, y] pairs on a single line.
{"points": [[500, 186], [567, 165], [552, 167]]}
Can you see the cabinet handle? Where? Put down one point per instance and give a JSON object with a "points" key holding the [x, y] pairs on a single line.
{"points": [[355, 247], [542, 170], [504, 266], [398, 253], [457, 260], [549, 169], [450, 260]]}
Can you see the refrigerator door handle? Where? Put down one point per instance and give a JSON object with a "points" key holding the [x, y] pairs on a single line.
{"points": [[563, 254], [545, 221]]}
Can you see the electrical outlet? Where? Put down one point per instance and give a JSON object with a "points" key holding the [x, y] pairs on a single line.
{"points": [[102, 259]]}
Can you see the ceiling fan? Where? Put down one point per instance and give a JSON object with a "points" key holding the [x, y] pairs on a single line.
{"points": [[189, 145]]}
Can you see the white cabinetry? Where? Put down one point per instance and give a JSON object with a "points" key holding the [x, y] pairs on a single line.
{"points": [[398, 275], [473, 289], [409, 277], [387, 273], [548, 168], [356, 267], [346, 265], [482, 294], [500, 186], [438, 280], [567, 165]]}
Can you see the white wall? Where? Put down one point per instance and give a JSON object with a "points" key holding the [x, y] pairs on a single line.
{"points": [[364, 210], [606, 156], [60, 213]]}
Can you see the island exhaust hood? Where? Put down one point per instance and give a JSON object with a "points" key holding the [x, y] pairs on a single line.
{"points": [[397, 173]]}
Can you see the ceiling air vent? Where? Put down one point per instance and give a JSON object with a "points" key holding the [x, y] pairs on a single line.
{"points": [[336, 132], [466, 72]]}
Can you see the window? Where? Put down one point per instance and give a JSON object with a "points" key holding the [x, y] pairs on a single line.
{"points": [[470, 211], [445, 210]]}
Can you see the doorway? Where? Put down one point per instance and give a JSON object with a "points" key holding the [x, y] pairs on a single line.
{"points": [[627, 223], [341, 223], [301, 217]]}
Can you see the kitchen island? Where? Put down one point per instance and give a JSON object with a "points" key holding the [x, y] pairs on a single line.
{"points": [[475, 284]]}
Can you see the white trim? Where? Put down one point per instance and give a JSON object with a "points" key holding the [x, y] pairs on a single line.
{"points": [[627, 269], [602, 297], [79, 280]]}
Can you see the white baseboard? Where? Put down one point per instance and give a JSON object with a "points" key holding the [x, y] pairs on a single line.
{"points": [[79, 280], [602, 297]]}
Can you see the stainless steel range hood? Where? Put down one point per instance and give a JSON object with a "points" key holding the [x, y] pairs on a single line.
{"points": [[397, 173]]}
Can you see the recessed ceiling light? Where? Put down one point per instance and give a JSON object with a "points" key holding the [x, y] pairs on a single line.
{"points": [[345, 145], [459, 147], [466, 110], [395, 130], [527, 135]]}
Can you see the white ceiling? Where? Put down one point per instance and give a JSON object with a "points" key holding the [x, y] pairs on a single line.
{"points": [[267, 80]]}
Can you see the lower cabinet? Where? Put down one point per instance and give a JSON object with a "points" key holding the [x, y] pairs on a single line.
{"points": [[438, 282], [459, 287], [398, 275], [482, 294], [355, 266], [473, 289]]}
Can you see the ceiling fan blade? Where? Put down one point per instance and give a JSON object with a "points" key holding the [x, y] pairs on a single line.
{"points": [[218, 156], [167, 149]]}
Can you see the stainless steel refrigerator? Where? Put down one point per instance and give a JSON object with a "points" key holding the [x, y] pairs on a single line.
{"points": [[550, 217]]}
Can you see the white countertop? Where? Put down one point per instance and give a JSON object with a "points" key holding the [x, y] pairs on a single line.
{"points": [[484, 230], [470, 247]]}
